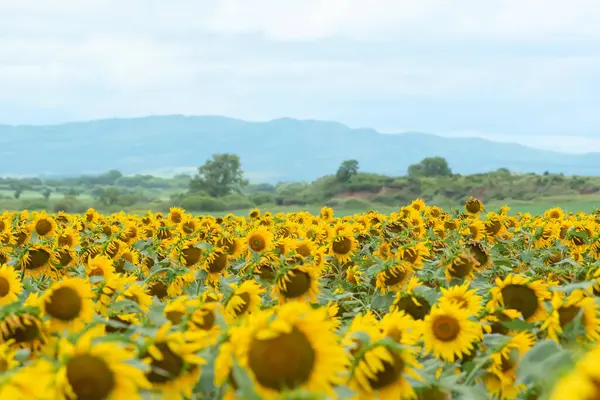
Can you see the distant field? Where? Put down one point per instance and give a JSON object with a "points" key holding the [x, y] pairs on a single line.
{"points": [[585, 204]]}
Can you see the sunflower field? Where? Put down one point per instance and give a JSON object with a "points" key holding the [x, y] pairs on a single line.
{"points": [[423, 303]]}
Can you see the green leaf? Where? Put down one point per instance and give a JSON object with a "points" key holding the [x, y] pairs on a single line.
{"points": [[245, 386], [383, 302]]}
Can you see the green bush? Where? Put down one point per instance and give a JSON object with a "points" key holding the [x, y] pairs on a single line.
{"points": [[237, 202], [260, 198], [202, 203]]}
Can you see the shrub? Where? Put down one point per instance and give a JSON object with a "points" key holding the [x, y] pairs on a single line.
{"points": [[202, 203], [260, 198], [237, 202]]}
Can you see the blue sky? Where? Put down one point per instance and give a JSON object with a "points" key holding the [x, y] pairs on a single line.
{"points": [[521, 71]]}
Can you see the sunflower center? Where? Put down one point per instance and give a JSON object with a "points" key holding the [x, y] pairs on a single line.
{"points": [[158, 289], [389, 374], [493, 227], [65, 240], [446, 328], [298, 284], [37, 258], [23, 330], [416, 311], [90, 377], [473, 206], [461, 266], [286, 361], [243, 307], [228, 244], [498, 326], [257, 243], [520, 298], [207, 321], [175, 316], [342, 245], [64, 257], [4, 286], [218, 263], [509, 361], [566, 315], [169, 368], [303, 250], [176, 218], [393, 277], [265, 270], [395, 334], [191, 255], [43, 227], [64, 303]]}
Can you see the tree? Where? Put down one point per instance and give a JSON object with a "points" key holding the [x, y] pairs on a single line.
{"points": [[46, 192], [347, 170], [220, 176], [430, 166]]}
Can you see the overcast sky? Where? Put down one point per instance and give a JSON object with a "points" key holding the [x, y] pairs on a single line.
{"points": [[502, 69]]}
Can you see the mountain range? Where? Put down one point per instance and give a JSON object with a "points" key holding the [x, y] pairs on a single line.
{"points": [[279, 150]]}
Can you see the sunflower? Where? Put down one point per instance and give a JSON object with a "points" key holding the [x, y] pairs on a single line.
{"points": [[178, 308], [174, 363], [259, 240], [401, 328], [69, 304], [474, 206], [412, 303], [299, 283], [462, 266], [505, 362], [176, 215], [43, 225], [23, 331], [566, 308], [475, 230], [204, 318], [37, 260], [381, 373], [290, 347], [254, 214], [448, 332], [343, 246], [233, 246], [522, 294], [189, 254], [555, 213], [100, 266], [326, 214], [393, 278], [102, 370], [32, 381], [10, 285], [464, 297], [245, 300], [68, 238], [582, 382]]}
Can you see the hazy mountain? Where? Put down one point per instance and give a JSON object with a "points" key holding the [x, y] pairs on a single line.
{"points": [[282, 149]]}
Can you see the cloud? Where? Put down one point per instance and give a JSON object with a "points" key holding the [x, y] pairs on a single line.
{"points": [[510, 67]]}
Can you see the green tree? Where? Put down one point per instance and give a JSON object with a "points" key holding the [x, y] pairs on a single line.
{"points": [[430, 166], [220, 176], [347, 170], [46, 192]]}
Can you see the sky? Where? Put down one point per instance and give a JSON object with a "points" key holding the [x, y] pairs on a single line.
{"points": [[525, 71]]}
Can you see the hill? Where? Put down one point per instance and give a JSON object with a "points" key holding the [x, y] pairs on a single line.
{"points": [[278, 150]]}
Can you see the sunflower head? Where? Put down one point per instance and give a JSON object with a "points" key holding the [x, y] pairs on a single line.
{"points": [[291, 347]]}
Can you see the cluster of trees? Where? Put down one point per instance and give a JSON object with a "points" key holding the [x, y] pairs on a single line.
{"points": [[219, 185]]}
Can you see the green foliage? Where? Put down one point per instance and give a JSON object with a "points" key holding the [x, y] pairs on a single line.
{"points": [[347, 170], [220, 176], [202, 203], [262, 198], [430, 166]]}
